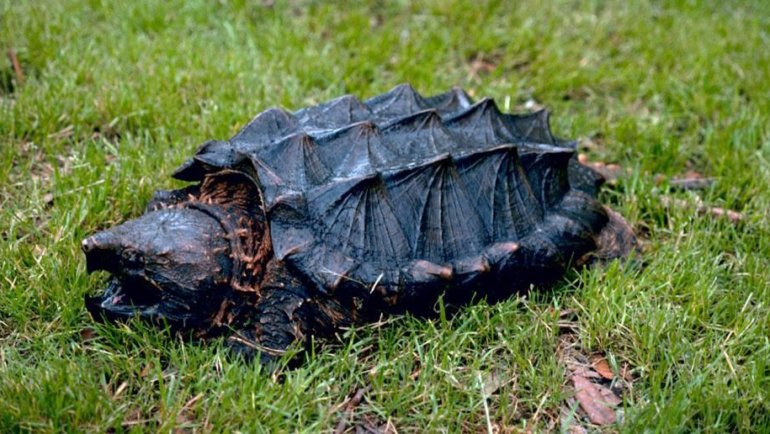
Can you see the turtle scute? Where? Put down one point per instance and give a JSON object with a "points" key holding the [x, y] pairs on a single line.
{"points": [[362, 207]]}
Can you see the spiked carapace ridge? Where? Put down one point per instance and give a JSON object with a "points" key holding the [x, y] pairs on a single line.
{"points": [[384, 204], [373, 191]]}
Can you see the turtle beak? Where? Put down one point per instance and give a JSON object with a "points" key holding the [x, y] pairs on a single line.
{"points": [[102, 252]]}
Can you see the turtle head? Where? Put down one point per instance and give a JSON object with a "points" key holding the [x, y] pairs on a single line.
{"points": [[171, 265], [181, 261]]}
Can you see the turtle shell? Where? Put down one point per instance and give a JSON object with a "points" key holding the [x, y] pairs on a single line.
{"points": [[402, 195]]}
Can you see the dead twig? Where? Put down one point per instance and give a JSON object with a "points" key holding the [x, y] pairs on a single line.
{"points": [[691, 183], [703, 209], [16, 66], [691, 180]]}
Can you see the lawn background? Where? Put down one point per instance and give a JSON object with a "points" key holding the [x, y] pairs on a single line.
{"points": [[117, 94]]}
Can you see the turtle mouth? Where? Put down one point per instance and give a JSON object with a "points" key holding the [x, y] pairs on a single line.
{"points": [[129, 292], [125, 297]]}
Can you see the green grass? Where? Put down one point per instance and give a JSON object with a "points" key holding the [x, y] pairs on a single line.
{"points": [[117, 94]]}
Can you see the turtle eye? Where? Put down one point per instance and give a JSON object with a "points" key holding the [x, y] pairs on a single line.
{"points": [[132, 258]]}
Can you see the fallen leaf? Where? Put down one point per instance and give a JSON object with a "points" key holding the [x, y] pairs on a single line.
{"points": [[493, 383], [87, 334], [608, 395], [590, 376], [600, 365], [146, 370], [350, 405], [593, 401]]}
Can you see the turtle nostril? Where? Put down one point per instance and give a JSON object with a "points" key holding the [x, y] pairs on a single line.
{"points": [[87, 245]]}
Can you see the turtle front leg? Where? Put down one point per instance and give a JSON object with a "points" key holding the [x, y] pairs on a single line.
{"points": [[287, 313], [279, 320]]}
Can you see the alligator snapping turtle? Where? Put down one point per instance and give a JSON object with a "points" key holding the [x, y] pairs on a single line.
{"points": [[336, 214]]}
